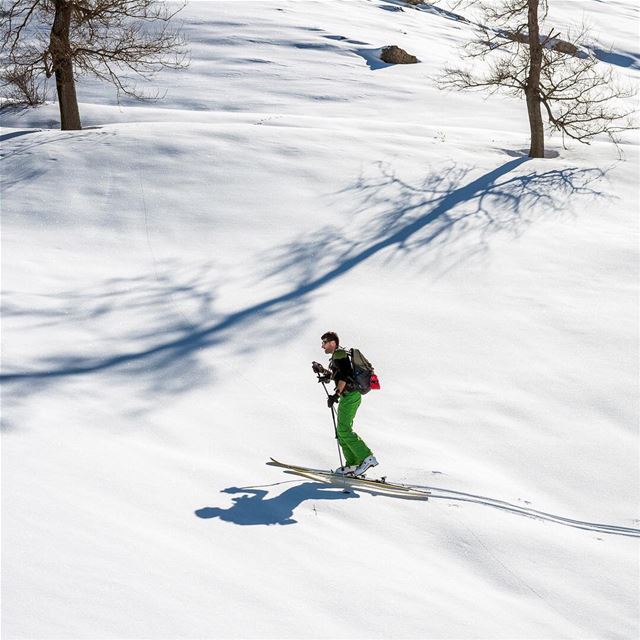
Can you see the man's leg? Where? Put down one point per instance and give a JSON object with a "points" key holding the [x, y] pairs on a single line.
{"points": [[355, 449]]}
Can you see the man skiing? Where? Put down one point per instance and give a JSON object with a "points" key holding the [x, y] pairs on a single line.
{"points": [[358, 456]]}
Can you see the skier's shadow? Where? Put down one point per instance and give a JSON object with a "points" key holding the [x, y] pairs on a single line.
{"points": [[254, 507]]}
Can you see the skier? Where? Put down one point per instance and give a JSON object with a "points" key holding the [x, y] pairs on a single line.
{"points": [[358, 456]]}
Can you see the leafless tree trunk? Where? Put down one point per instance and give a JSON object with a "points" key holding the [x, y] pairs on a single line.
{"points": [[62, 63], [532, 91]]}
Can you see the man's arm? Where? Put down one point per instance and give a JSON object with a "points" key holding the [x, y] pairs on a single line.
{"points": [[343, 371]]}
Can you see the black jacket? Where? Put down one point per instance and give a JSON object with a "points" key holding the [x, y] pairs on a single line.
{"points": [[341, 369]]}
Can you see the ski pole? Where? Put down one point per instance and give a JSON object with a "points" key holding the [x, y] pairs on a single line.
{"points": [[320, 371], [335, 426]]}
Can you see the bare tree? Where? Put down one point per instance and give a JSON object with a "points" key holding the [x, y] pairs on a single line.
{"points": [[556, 76], [113, 40], [21, 87]]}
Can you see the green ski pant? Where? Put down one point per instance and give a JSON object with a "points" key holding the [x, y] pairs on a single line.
{"points": [[354, 448]]}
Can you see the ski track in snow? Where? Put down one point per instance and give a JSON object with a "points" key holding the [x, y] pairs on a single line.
{"points": [[461, 496], [448, 494]]}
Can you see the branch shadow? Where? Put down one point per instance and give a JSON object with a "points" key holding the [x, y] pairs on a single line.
{"points": [[14, 134], [254, 507], [170, 303], [425, 221], [420, 222]]}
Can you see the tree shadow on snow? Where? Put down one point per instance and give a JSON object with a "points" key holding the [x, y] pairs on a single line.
{"points": [[169, 304], [435, 222], [254, 507]]}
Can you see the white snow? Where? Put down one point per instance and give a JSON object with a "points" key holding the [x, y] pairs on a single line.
{"points": [[167, 273]]}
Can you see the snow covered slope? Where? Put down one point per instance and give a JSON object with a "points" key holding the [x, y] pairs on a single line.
{"points": [[167, 273]]}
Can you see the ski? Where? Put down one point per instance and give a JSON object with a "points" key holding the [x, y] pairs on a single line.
{"points": [[328, 475]]}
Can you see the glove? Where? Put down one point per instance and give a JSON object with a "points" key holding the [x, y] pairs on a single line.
{"points": [[325, 378], [317, 367], [331, 400]]}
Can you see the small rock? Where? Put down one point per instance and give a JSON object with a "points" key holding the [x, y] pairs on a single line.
{"points": [[566, 47], [395, 55]]}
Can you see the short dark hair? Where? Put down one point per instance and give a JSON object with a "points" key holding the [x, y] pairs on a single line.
{"points": [[330, 335]]}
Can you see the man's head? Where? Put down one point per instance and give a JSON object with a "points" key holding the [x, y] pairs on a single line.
{"points": [[330, 342]]}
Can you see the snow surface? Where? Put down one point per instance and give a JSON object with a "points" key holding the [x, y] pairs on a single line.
{"points": [[167, 273]]}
